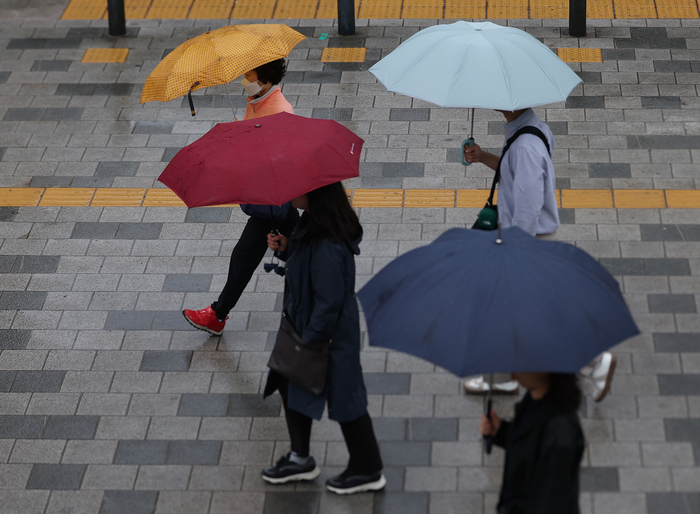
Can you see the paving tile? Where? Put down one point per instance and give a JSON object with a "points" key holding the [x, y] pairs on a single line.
{"points": [[407, 169], [83, 502], [401, 503], [661, 102], [675, 342], [6, 378], [138, 231], [169, 153], [684, 385], [674, 303], [332, 113], [402, 114], [153, 127], [663, 142], [22, 300], [433, 429], [322, 77], [405, 453], [129, 502], [7, 213], [56, 476], [38, 381], [63, 65], [36, 264], [665, 503], [187, 282], [14, 339], [599, 479], [166, 361], [117, 169], [141, 452], [194, 452], [208, 215], [129, 320], [609, 170], [94, 230], [203, 405], [291, 503], [71, 427], [62, 114], [390, 429], [250, 405], [4, 76], [585, 102], [21, 427], [387, 383], [170, 320]]}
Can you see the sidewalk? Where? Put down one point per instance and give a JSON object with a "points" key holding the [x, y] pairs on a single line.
{"points": [[111, 403]]}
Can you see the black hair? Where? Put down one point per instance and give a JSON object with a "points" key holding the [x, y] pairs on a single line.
{"points": [[565, 391], [272, 72], [330, 216]]}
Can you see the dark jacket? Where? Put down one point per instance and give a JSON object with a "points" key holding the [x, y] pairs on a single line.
{"points": [[319, 297], [543, 456]]}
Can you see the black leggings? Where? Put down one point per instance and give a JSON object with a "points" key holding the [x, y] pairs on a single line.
{"points": [[358, 433], [246, 257]]}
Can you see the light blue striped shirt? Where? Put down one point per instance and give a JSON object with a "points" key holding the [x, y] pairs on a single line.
{"points": [[526, 197]]}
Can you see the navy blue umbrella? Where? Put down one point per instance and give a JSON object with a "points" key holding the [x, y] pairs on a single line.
{"points": [[473, 305]]}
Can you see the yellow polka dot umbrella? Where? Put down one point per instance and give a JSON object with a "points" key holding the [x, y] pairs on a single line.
{"points": [[217, 57]]}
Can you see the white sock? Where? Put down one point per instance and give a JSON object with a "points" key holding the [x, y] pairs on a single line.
{"points": [[297, 459]]}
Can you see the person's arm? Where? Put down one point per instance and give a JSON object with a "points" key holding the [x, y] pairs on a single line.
{"points": [[278, 243], [554, 485], [328, 289], [528, 188], [474, 153], [494, 427]]}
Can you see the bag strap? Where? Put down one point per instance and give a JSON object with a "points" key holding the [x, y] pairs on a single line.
{"points": [[522, 130]]}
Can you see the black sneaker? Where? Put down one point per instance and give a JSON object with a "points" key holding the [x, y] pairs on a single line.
{"points": [[349, 483], [287, 471]]}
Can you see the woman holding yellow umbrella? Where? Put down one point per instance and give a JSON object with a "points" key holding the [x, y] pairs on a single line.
{"points": [[218, 57], [265, 98]]}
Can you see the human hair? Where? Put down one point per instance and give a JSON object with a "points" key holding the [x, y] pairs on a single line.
{"points": [[565, 391], [272, 71], [330, 216]]}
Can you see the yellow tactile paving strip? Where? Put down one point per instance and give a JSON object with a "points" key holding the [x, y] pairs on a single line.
{"points": [[344, 55], [447, 9], [105, 55], [580, 54], [396, 198]]}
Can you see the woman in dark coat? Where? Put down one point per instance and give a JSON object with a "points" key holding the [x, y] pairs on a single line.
{"points": [[544, 444], [319, 299]]}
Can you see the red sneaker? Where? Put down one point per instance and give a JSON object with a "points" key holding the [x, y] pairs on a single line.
{"points": [[206, 320]]}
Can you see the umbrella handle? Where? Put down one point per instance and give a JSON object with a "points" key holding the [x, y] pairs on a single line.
{"points": [[189, 97], [488, 440]]}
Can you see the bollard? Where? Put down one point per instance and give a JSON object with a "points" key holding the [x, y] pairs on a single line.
{"points": [[577, 18], [117, 18], [346, 17]]}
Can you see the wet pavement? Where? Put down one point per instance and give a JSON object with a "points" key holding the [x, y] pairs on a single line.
{"points": [[111, 403]]}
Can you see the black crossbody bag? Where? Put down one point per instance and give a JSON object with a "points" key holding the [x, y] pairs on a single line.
{"points": [[488, 216], [302, 363]]}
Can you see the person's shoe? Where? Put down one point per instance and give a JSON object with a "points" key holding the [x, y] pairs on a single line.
{"points": [[602, 375], [287, 471], [350, 483], [205, 319], [478, 385]]}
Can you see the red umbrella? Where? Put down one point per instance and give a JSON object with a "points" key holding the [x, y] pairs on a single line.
{"points": [[264, 161]]}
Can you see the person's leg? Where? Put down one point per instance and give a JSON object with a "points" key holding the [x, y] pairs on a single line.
{"points": [[596, 377], [364, 471], [298, 425], [365, 458], [297, 464], [245, 258]]}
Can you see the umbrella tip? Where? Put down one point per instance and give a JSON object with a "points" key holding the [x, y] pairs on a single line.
{"points": [[498, 237], [258, 125]]}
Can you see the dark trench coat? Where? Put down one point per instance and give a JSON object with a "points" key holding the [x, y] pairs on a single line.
{"points": [[319, 297], [542, 462]]}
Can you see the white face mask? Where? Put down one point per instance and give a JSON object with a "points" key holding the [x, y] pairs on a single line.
{"points": [[252, 88]]}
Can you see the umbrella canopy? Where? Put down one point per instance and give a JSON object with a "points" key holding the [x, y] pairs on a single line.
{"points": [[472, 306], [217, 57], [265, 161], [480, 65]]}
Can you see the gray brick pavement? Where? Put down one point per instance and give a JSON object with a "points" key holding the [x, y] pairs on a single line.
{"points": [[111, 403]]}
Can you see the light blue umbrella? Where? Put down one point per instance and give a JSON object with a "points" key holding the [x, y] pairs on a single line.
{"points": [[480, 65]]}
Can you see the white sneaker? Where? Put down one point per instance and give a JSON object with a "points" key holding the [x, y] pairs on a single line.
{"points": [[478, 385], [602, 376]]}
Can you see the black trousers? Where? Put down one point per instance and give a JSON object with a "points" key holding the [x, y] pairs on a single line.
{"points": [[365, 458], [246, 257]]}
